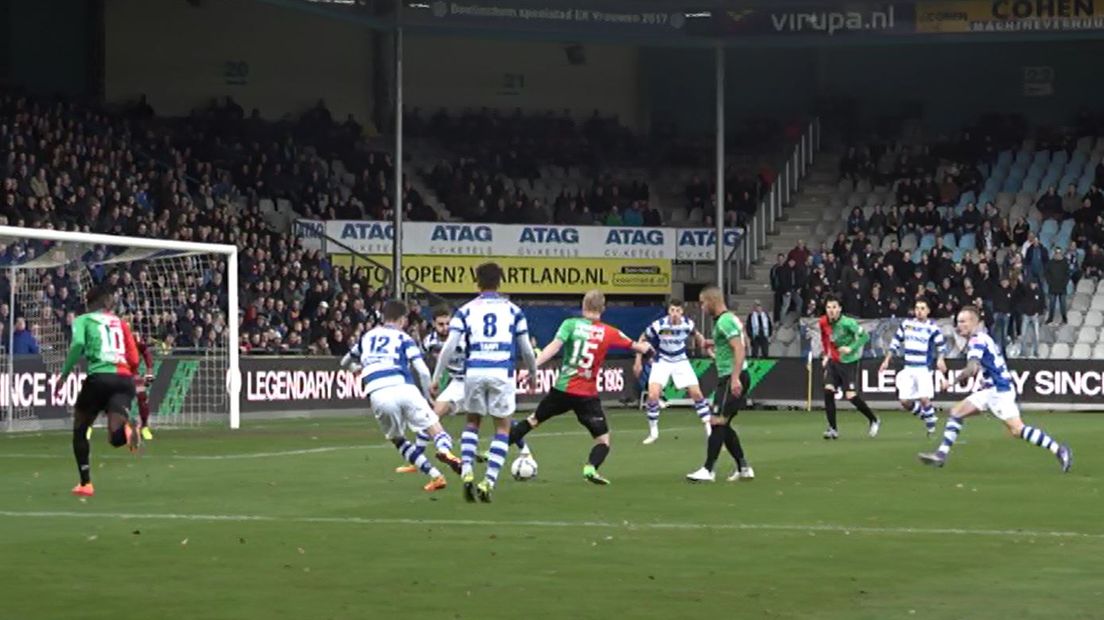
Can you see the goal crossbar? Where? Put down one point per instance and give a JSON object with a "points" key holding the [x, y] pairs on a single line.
{"points": [[233, 378]]}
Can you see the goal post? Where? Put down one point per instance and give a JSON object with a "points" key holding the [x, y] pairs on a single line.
{"points": [[157, 278]]}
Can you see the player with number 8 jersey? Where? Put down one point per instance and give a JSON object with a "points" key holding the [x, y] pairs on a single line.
{"points": [[585, 341]]}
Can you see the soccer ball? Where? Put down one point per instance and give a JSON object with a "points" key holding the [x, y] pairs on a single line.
{"points": [[524, 468]]}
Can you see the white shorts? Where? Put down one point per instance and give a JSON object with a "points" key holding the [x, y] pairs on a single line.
{"points": [[681, 373], [489, 395], [401, 407], [915, 383], [1001, 404], [453, 394]]}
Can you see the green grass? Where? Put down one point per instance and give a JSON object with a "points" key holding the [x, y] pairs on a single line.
{"points": [[852, 529]]}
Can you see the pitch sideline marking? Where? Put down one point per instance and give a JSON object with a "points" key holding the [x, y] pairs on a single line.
{"points": [[826, 528], [259, 455]]}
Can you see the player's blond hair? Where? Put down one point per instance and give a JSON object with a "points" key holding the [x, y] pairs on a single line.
{"points": [[594, 301]]}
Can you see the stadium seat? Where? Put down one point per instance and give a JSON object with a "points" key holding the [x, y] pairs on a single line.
{"points": [[927, 242], [1100, 286], [1097, 302], [1081, 352], [1081, 301], [908, 242], [1044, 351], [1066, 333], [1087, 335], [1076, 318], [1060, 351], [794, 349], [785, 335]]}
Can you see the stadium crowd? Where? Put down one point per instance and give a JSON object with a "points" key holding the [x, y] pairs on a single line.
{"points": [[1017, 281]]}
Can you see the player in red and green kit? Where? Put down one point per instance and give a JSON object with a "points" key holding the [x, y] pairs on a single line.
{"points": [[105, 341], [843, 340], [587, 340]]}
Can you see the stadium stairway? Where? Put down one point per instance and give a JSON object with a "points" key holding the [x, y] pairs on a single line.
{"points": [[801, 219]]}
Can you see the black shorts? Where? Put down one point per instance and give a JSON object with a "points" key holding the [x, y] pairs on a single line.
{"points": [[103, 392], [588, 410], [840, 375], [725, 404]]}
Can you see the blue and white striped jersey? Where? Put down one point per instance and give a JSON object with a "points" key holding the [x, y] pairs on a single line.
{"points": [[489, 326], [994, 369], [385, 355], [433, 344], [668, 339], [919, 342]]}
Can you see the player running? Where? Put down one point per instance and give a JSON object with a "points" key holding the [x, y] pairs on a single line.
{"points": [[587, 340], [996, 395], [668, 336], [106, 343], [729, 345], [919, 339], [843, 340], [495, 333], [384, 355]]}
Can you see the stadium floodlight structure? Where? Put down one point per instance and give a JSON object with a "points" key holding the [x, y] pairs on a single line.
{"points": [[158, 281]]}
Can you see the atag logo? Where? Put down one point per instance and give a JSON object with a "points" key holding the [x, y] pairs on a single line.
{"points": [[634, 236], [368, 231], [548, 234], [703, 237], [461, 232]]}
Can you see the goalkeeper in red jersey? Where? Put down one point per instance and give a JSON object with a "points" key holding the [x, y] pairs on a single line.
{"points": [[587, 340], [105, 341], [142, 386]]}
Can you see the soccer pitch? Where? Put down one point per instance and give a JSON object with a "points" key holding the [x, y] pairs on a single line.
{"points": [[304, 519]]}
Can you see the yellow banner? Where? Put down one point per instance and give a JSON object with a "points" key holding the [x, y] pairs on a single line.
{"points": [[1008, 15], [548, 276]]}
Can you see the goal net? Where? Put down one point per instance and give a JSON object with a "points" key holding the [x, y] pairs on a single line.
{"points": [[180, 299]]}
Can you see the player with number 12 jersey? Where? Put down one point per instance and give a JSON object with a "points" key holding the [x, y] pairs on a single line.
{"points": [[585, 341]]}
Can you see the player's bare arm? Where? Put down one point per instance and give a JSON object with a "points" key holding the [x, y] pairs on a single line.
{"points": [[964, 375], [549, 352]]}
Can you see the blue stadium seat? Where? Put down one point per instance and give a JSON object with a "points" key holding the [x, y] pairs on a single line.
{"points": [[1066, 227], [1005, 158], [968, 242], [958, 255], [1034, 223], [1046, 238], [1060, 157], [949, 240], [927, 242], [1030, 185], [1041, 157], [1049, 227], [1023, 157]]}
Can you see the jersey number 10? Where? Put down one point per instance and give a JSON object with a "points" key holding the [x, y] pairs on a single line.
{"points": [[112, 341]]}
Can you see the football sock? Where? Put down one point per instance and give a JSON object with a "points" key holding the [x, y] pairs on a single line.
{"points": [[416, 457], [864, 408], [81, 450], [442, 440], [518, 441], [916, 408], [1037, 436], [927, 414], [950, 434], [830, 408], [497, 457], [713, 445], [702, 408], [732, 442], [598, 454], [469, 443], [651, 408], [518, 431], [421, 439], [144, 409]]}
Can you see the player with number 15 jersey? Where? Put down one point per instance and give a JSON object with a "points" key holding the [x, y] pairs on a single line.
{"points": [[585, 341]]}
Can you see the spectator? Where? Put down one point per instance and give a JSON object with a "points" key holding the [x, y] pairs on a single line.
{"points": [[874, 305], [779, 283], [1057, 279], [876, 225], [1093, 265], [856, 221], [893, 222], [969, 222], [1020, 232], [1035, 258], [1032, 306], [1050, 204], [853, 299], [1070, 201], [23, 339], [760, 327], [795, 279], [1002, 309], [1073, 259], [800, 254]]}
